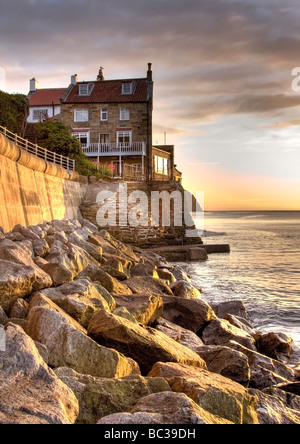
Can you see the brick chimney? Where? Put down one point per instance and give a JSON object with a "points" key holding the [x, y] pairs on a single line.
{"points": [[149, 72]]}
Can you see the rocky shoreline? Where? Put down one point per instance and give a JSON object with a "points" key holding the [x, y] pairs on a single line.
{"points": [[93, 331]]}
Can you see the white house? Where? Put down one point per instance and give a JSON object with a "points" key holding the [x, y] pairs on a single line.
{"points": [[44, 103]]}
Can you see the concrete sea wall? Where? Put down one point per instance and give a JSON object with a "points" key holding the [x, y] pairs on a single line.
{"points": [[33, 191]]}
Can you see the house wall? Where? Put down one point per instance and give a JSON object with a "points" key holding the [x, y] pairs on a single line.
{"points": [[30, 118], [28, 195], [138, 120]]}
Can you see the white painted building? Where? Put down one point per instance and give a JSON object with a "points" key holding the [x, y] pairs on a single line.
{"points": [[44, 103]]}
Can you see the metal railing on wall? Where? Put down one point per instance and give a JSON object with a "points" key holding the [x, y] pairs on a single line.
{"points": [[48, 156]]}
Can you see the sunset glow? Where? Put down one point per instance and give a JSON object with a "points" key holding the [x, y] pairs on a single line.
{"points": [[223, 78]]}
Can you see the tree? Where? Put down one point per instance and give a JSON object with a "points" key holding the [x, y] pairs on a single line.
{"points": [[14, 110], [54, 136]]}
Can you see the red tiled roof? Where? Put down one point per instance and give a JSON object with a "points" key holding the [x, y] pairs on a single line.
{"points": [[110, 91], [47, 97]]}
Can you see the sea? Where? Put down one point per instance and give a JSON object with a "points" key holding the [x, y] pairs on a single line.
{"points": [[262, 269]]}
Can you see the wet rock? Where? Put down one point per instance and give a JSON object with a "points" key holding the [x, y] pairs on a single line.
{"points": [[214, 393], [69, 346], [183, 289], [275, 345], [192, 314], [165, 408], [221, 332], [30, 392], [239, 322], [236, 308], [145, 345], [181, 275], [145, 309], [166, 275], [100, 397]]}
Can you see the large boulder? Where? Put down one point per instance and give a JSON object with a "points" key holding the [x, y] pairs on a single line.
{"points": [[99, 397], [183, 289], [27, 233], [191, 314], [214, 393], [145, 345], [264, 371], [111, 284], [165, 408], [12, 252], [277, 346], [80, 299], [72, 257], [59, 273], [148, 285], [227, 362], [30, 392], [69, 346], [221, 332], [271, 410], [235, 307], [144, 308], [16, 281], [93, 250], [179, 334]]}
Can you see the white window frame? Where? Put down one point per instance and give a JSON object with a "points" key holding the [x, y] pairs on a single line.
{"points": [[104, 114], [42, 114], [80, 135], [124, 114], [85, 89], [161, 165], [124, 134], [127, 88], [81, 115]]}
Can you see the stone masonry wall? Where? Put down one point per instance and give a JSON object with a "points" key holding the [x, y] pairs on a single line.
{"points": [[142, 236]]}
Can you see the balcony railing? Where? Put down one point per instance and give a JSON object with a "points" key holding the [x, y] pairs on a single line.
{"points": [[48, 156], [114, 149]]}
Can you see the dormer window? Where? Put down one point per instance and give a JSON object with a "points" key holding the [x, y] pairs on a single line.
{"points": [[85, 89], [127, 88]]}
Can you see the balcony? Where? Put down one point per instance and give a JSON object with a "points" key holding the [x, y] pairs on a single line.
{"points": [[114, 149]]}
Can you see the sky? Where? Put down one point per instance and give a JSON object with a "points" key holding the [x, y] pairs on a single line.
{"points": [[224, 92]]}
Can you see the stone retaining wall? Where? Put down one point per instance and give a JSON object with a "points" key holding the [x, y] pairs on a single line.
{"points": [[33, 191]]}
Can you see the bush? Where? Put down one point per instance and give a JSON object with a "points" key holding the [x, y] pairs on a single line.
{"points": [[14, 110], [55, 137]]}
